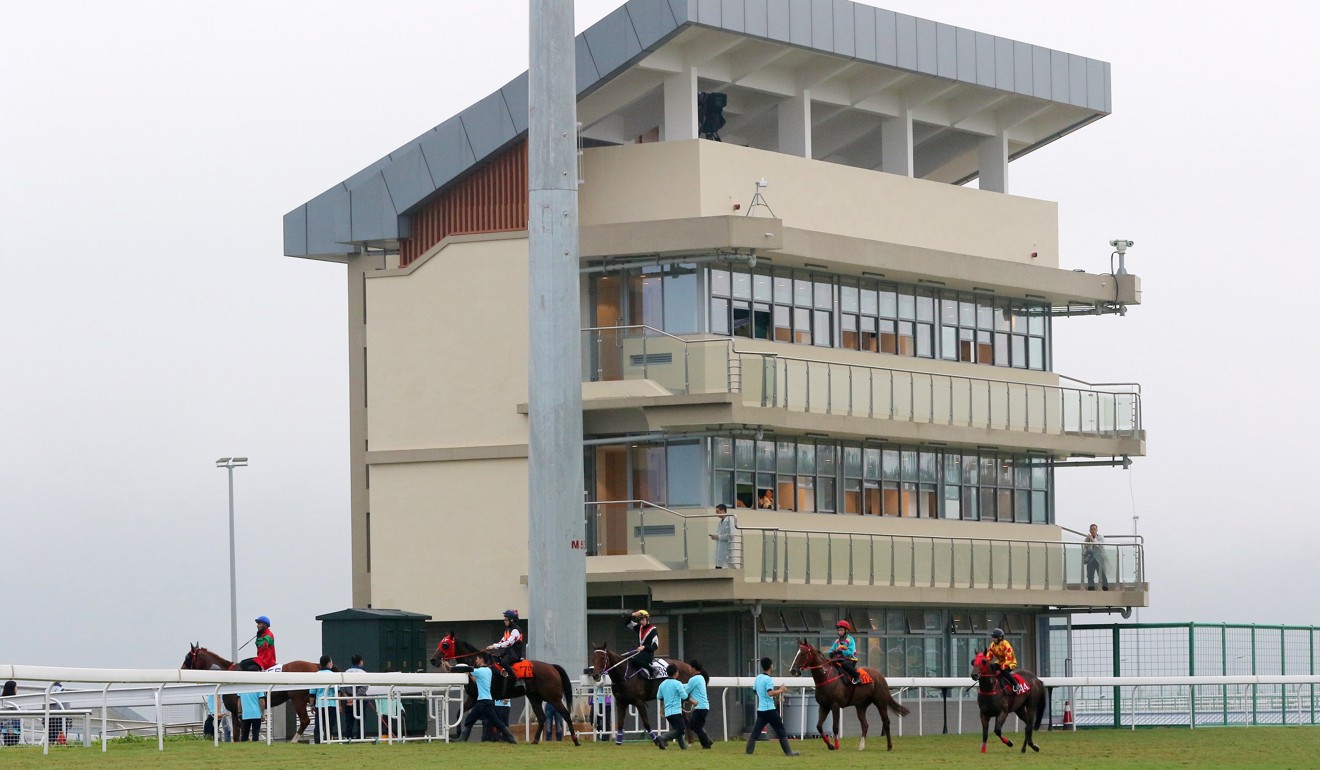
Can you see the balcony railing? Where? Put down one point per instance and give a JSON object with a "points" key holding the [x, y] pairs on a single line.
{"points": [[681, 540], [1104, 410]]}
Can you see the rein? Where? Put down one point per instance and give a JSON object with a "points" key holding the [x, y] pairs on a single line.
{"points": [[822, 665], [622, 659]]}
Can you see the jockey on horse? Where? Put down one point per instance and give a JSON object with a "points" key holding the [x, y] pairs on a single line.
{"points": [[844, 651], [1001, 652], [648, 641], [265, 658], [509, 649]]}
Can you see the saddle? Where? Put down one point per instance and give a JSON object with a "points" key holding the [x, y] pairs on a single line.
{"points": [[659, 669]]}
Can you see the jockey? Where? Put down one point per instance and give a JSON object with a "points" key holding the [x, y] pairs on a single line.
{"points": [[265, 658], [844, 651], [648, 641], [1001, 653], [508, 650]]}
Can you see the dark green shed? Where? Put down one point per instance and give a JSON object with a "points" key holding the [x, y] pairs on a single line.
{"points": [[390, 640]]}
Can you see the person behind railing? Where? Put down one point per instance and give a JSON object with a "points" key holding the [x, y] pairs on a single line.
{"points": [[844, 651], [217, 718], [250, 711], [325, 699], [10, 728], [725, 531], [1093, 556], [356, 703]]}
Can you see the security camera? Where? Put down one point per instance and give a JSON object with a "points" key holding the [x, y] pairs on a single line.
{"points": [[1121, 246]]}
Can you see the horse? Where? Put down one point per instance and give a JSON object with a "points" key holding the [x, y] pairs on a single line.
{"points": [[201, 659], [995, 701], [548, 683], [630, 690], [834, 692]]}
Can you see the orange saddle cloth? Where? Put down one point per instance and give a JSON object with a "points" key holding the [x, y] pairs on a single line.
{"points": [[522, 669], [865, 677]]}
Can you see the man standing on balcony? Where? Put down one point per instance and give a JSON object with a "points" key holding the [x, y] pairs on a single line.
{"points": [[725, 531], [1093, 555]]}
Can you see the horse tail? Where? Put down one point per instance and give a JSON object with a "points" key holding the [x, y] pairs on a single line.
{"points": [[1044, 704], [567, 685], [891, 702]]}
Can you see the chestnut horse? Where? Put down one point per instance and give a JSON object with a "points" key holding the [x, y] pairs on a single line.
{"points": [[548, 683], [834, 691], [201, 659], [630, 689], [994, 700]]}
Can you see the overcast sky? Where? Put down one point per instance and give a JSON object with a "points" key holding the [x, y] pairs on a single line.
{"points": [[150, 324]]}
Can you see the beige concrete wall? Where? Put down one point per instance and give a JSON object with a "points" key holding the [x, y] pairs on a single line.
{"points": [[450, 538], [671, 180], [447, 348]]}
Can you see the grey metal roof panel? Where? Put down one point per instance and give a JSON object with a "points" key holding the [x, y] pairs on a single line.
{"points": [[365, 206]]}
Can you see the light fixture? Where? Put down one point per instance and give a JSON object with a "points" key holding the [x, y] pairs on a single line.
{"points": [[1120, 248]]}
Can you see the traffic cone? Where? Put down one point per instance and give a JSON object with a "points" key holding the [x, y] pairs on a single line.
{"points": [[1067, 715], [62, 740]]}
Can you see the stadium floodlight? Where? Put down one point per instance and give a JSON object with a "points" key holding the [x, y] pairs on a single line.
{"points": [[229, 464]]}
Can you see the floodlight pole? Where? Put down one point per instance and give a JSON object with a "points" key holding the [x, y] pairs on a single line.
{"points": [[229, 464], [556, 550]]}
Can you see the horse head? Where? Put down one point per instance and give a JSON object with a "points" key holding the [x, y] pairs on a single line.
{"points": [[808, 656], [982, 665], [445, 652], [190, 660], [600, 661]]}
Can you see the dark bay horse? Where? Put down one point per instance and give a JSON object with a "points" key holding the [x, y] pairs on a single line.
{"points": [[994, 700], [201, 659], [835, 692], [628, 688], [548, 683]]}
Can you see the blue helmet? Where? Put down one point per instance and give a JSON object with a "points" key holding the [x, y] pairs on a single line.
{"points": [[511, 614], [263, 619]]}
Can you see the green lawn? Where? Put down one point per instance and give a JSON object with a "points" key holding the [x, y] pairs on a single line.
{"points": [[1257, 747]]}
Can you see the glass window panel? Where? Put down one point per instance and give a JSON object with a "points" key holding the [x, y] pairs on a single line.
{"points": [[889, 499], [924, 344], [888, 337], [967, 314], [907, 306], [742, 319], [985, 316], [1019, 351], [761, 288], [869, 339], [827, 460], [908, 501], [952, 468], [952, 498], [1005, 473], [872, 503], [806, 493], [783, 324], [848, 298], [988, 471], [723, 451], [822, 336], [786, 500], [906, 339], [852, 461], [1039, 474], [1039, 508], [848, 331], [1001, 349], [966, 345], [765, 456], [648, 471], [926, 308], [889, 464], [744, 454], [806, 454], [1022, 505], [824, 293], [949, 312], [908, 465], [969, 466], [969, 507], [744, 491], [1036, 352], [802, 326], [761, 321], [684, 471], [645, 300], [825, 501], [742, 285], [1036, 323], [1005, 512], [1003, 316], [949, 342], [1021, 475], [889, 304], [987, 504], [928, 505], [872, 468], [787, 452], [783, 289], [719, 283], [719, 316], [852, 496], [680, 300], [765, 490], [1019, 319], [984, 350], [724, 487], [801, 292], [926, 466], [870, 302]]}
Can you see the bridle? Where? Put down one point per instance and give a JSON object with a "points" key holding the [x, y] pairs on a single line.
{"points": [[809, 651], [451, 653]]}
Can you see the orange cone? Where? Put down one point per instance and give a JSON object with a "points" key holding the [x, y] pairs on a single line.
{"points": [[1067, 714]]}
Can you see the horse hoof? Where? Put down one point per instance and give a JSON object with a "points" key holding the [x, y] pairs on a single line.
{"points": [[982, 748], [1034, 747], [861, 744], [1008, 744]]}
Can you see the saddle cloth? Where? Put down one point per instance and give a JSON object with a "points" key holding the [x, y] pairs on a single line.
{"points": [[275, 669], [522, 669], [1020, 685]]}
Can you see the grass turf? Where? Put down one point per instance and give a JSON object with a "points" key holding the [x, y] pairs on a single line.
{"points": [[1204, 749]]}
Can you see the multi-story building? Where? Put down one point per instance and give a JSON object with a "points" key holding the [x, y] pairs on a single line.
{"points": [[815, 320]]}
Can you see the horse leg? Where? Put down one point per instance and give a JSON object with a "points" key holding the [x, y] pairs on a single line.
{"points": [[999, 728], [1028, 716], [620, 711], [861, 719], [558, 705], [820, 727], [539, 712], [837, 713], [985, 730], [299, 700]]}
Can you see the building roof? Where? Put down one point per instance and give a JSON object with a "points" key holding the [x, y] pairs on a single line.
{"points": [[857, 60]]}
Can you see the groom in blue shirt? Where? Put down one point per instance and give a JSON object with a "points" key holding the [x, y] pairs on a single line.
{"points": [[484, 708]]}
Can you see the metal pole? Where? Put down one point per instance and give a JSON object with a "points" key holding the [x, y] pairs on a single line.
{"points": [[557, 564], [233, 575]]}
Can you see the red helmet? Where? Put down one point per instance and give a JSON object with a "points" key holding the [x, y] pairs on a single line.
{"points": [[844, 625]]}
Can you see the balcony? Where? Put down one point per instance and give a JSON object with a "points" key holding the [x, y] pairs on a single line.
{"points": [[672, 551], [638, 366]]}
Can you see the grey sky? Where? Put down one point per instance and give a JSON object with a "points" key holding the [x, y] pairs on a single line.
{"points": [[151, 325]]}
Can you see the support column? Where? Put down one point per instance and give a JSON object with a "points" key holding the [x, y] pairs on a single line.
{"points": [[993, 158], [556, 549], [795, 125], [896, 144], [358, 495], [680, 106]]}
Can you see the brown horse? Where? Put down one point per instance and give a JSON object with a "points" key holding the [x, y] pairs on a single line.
{"points": [[201, 659], [834, 691], [996, 700], [548, 683], [629, 688]]}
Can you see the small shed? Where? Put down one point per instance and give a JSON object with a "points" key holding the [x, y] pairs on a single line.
{"points": [[390, 640]]}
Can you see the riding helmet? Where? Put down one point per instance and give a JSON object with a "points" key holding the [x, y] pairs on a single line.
{"points": [[262, 619], [643, 614], [511, 614], [997, 633], [844, 625]]}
